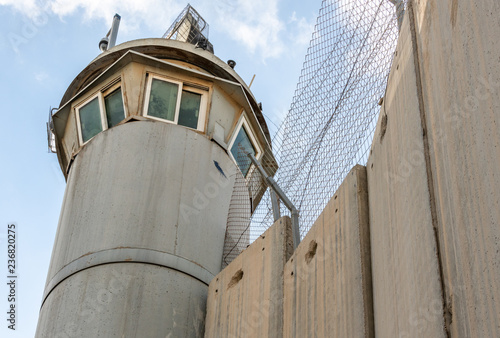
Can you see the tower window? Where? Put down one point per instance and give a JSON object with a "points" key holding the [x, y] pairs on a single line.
{"points": [[175, 102], [189, 110], [163, 99], [243, 143], [90, 119], [115, 111], [100, 112]]}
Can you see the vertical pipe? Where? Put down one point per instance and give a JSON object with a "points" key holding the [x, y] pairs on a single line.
{"points": [[295, 228], [276, 205], [114, 31]]}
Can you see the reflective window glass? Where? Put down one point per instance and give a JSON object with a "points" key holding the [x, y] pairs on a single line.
{"points": [[163, 99], [114, 108], [189, 109], [90, 119], [241, 146]]}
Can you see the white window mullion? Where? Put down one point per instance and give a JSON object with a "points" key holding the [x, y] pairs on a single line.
{"points": [[104, 120], [178, 104], [147, 96], [202, 112]]}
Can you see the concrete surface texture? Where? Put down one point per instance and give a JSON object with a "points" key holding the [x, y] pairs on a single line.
{"points": [[408, 246], [143, 192], [125, 300], [328, 279], [433, 176], [246, 298], [407, 288], [433, 198], [458, 51]]}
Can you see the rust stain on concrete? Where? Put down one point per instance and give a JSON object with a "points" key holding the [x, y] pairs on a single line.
{"points": [[454, 12]]}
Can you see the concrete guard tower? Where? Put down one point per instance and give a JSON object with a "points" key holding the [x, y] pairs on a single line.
{"points": [[150, 137]]}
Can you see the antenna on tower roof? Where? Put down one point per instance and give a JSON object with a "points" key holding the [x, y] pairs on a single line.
{"points": [[109, 40], [190, 27]]}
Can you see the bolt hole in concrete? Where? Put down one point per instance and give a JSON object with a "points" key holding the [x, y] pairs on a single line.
{"points": [[335, 197], [291, 274], [235, 279], [313, 246], [336, 210], [383, 127], [263, 249]]}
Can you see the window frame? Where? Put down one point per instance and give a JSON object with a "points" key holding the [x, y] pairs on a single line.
{"points": [[243, 123], [182, 86], [101, 95]]}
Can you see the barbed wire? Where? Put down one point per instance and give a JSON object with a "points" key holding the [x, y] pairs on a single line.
{"points": [[334, 111]]}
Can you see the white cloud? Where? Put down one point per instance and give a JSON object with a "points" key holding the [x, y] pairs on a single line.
{"points": [[153, 14], [29, 7], [254, 25], [41, 77], [302, 29]]}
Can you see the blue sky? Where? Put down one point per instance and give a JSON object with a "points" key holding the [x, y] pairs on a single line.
{"points": [[45, 44]]}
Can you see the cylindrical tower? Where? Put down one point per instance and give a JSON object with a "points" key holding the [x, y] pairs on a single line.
{"points": [[151, 137]]}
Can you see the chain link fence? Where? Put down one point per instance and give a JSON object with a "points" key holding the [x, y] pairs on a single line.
{"points": [[329, 127]]}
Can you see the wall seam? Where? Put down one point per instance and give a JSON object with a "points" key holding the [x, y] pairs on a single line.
{"points": [[425, 138], [365, 249]]}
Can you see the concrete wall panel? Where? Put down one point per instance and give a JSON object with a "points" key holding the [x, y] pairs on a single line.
{"points": [[459, 47], [407, 288], [328, 278], [246, 298]]}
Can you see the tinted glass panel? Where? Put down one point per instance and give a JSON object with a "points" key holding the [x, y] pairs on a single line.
{"points": [[114, 108], [190, 109], [163, 99], [90, 119], [241, 146]]}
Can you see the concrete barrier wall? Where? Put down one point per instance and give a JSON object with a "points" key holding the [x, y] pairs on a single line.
{"points": [[433, 176], [433, 179], [328, 279], [407, 288], [459, 59], [246, 298]]}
